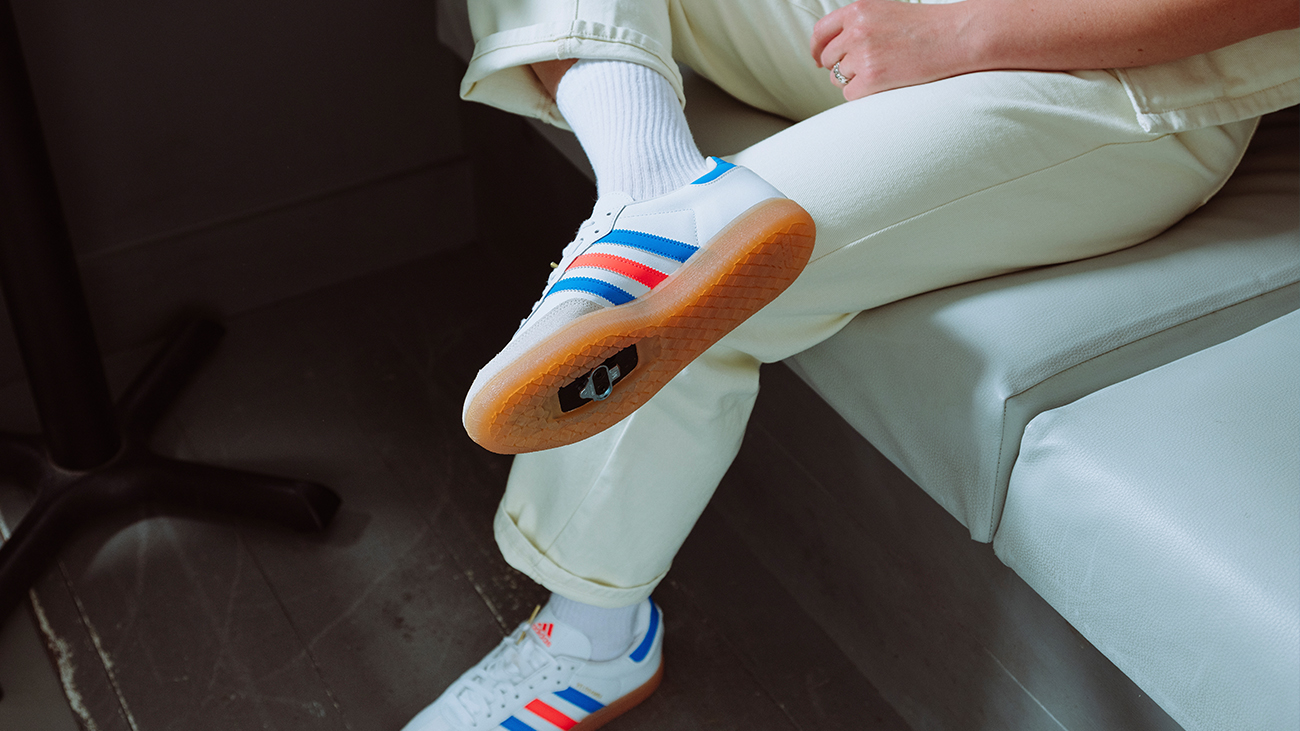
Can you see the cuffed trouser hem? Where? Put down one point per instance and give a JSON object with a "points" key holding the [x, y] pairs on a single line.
{"points": [[498, 74], [520, 553]]}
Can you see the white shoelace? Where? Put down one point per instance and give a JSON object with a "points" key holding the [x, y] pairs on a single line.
{"points": [[591, 229], [497, 679]]}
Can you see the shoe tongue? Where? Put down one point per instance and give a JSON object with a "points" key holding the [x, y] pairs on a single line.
{"points": [[612, 201], [559, 638]]}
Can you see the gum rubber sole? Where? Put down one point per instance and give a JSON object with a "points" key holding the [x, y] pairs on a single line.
{"points": [[742, 269], [622, 705]]}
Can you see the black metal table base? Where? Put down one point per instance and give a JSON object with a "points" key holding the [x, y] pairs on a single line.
{"points": [[91, 457], [66, 499]]}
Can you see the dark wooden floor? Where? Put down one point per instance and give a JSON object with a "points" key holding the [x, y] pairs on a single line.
{"points": [[186, 622]]}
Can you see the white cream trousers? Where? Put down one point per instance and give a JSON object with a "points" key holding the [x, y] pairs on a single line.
{"points": [[912, 190]]}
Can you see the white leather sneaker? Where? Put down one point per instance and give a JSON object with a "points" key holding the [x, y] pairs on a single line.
{"points": [[539, 679], [643, 290]]}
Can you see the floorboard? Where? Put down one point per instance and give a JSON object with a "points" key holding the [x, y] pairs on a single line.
{"points": [[33, 698]]}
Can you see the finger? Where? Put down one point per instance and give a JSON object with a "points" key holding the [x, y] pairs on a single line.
{"points": [[824, 32], [834, 51], [858, 86], [854, 90]]}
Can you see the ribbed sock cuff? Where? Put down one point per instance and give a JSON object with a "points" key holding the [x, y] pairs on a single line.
{"points": [[631, 126], [609, 630]]}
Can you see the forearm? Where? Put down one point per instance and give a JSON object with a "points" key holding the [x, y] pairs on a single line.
{"points": [[1084, 34]]}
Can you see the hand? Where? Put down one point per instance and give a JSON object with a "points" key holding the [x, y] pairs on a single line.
{"points": [[884, 44]]}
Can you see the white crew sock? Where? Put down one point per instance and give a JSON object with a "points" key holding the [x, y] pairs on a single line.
{"points": [[631, 126], [610, 630]]}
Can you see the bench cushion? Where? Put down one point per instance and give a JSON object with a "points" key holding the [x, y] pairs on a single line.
{"points": [[1184, 483], [944, 383]]}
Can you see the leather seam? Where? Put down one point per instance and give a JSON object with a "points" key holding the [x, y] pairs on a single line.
{"points": [[1154, 333]]}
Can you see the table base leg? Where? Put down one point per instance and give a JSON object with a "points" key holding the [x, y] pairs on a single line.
{"points": [[67, 500]]}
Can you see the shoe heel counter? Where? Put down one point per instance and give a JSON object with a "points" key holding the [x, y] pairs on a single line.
{"points": [[742, 191], [648, 641]]}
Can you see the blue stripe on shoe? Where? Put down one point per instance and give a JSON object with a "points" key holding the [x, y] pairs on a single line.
{"points": [[644, 648], [721, 166], [592, 286], [515, 724], [580, 699], [660, 245]]}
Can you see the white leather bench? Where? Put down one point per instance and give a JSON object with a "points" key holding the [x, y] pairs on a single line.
{"points": [[1161, 517]]}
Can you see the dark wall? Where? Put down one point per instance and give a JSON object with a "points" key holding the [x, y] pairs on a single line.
{"points": [[220, 156]]}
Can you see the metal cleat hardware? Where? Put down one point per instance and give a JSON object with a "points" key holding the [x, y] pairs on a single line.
{"points": [[600, 383]]}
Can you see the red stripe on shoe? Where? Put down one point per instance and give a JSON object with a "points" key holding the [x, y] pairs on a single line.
{"points": [[551, 715], [617, 264]]}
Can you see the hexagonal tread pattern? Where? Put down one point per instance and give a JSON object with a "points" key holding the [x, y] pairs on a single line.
{"points": [[777, 241]]}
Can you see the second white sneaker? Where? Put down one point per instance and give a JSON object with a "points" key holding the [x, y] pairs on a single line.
{"points": [[540, 679]]}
